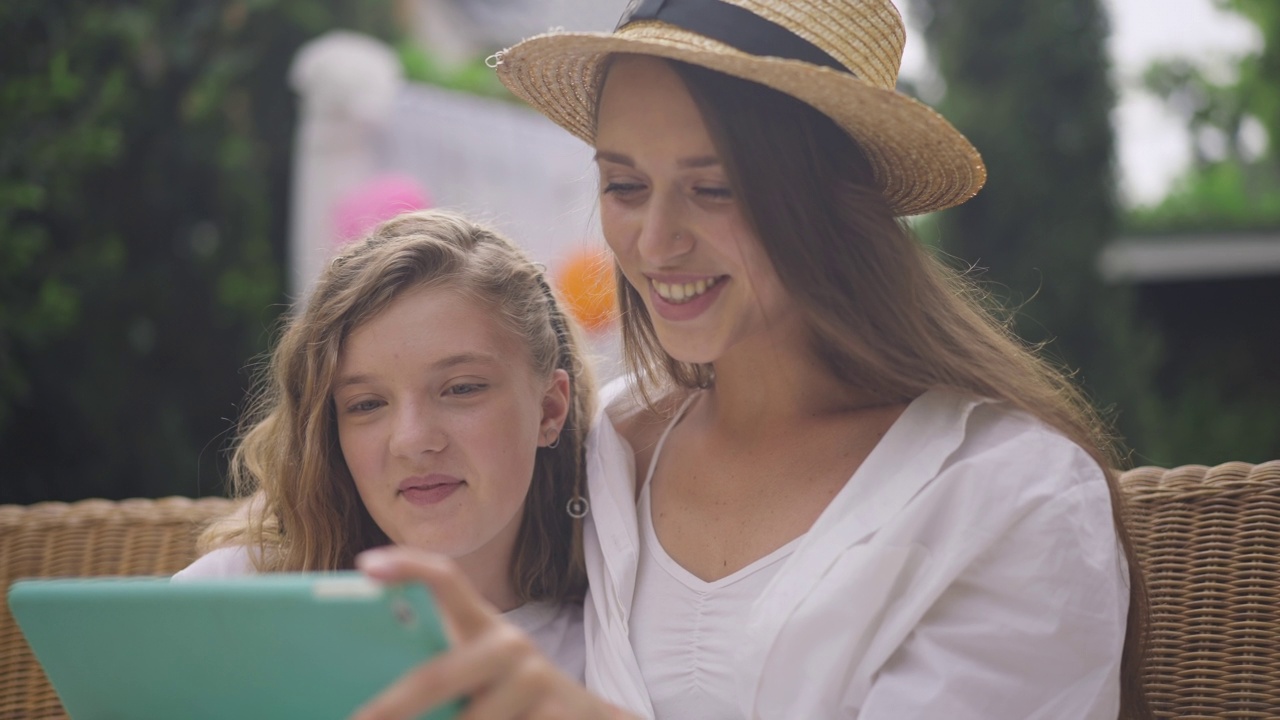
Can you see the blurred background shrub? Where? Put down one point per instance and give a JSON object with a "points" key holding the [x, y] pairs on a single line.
{"points": [[144, 157]]}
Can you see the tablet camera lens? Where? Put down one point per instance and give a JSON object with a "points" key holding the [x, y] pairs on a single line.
{"points": [[403, 613]]}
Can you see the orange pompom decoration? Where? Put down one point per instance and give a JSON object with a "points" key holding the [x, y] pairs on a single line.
{"points": [[585, 282]]}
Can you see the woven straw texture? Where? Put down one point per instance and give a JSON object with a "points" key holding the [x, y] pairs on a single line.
{"points": [[1209, 539], [90, 537], [921, 161]]}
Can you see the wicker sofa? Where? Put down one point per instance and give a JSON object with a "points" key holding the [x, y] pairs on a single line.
{"points": [[1209, 539], [90, 537]]}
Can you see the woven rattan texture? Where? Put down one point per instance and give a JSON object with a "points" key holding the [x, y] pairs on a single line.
{"points": [[91, 537], [1209, 539]]}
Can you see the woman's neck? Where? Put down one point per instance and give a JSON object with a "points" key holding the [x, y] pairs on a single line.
{"points": [[758, 388]]}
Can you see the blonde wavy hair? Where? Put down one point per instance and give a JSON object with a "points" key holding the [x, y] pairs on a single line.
{"points": [[303, 511]]}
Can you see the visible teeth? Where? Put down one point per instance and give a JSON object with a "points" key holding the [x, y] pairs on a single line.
{"points": [[683, 292]]}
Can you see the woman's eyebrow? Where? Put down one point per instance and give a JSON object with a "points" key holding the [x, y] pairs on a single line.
{"points": [[692, 163], [613, 157]]}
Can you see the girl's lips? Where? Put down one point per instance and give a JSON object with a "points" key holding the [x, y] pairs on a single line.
{"points": [[430, 489], [431, 495]]}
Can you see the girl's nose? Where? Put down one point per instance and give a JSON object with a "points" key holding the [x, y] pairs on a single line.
{"points": [[416, 432]]}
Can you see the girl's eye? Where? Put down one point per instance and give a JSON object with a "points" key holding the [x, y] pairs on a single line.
{"points": [[364, 406], [465, 389]]}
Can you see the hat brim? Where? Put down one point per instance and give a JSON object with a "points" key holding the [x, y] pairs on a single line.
{"points": [[921, 161]]}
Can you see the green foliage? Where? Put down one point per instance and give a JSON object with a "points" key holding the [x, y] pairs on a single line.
{"points": [[1259, 76], [1220, 197], [1225, 188], [1206, 421], [474, 76], [1221, 388], [1028, 83], [144, 158]]}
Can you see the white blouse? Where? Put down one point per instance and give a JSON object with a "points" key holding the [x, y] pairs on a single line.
{"points": [[555, 628], [685, 630], [969, 569]]}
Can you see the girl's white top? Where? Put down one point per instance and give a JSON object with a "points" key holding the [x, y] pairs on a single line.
{"points": [[969, 569], [555, 628]]}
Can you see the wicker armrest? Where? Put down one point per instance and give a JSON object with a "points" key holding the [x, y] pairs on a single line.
{"points": [[90, 537], [1209, 541]]}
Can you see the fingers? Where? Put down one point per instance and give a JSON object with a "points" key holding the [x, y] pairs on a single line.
{"points": [[462, 671], [466, 612], [526, 681], [493, 663], [534, 689]]}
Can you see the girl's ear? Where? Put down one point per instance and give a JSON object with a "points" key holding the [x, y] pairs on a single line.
{"points": [[555, 404]]}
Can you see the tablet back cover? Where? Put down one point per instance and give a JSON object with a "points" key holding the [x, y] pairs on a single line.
{"points": [[277, 645]]}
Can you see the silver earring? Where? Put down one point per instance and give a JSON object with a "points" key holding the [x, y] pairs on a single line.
{"points": [[554, 443], [578, 507]]}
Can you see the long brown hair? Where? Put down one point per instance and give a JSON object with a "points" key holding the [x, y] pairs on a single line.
{"points": [[886, 316], [304, 512]]}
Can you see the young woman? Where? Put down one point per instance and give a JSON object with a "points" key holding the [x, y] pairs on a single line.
{"points": [[430, 394], [842, 488]]}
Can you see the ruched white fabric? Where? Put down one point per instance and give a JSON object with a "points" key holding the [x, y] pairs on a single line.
{"points": [[969, 569], [686, 630]]}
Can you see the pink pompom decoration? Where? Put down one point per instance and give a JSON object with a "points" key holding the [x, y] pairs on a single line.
{"points": [[382, 198]]}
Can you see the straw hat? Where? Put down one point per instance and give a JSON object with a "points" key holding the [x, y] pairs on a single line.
{"points": [[839, 56]]}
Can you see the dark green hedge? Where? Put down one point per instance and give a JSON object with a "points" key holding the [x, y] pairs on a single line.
{"points": [[144, 162]]}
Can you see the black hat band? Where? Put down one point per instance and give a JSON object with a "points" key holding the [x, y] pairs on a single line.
{"points": [[733, 26]]}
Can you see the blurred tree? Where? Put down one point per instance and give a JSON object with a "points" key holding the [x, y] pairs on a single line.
{"points": [[1028, 83], [144, 158], [1220, 381], [1229, 186]]}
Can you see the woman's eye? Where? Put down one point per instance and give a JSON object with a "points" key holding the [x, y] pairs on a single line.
{"points": [[622, 189], [714, 193]]}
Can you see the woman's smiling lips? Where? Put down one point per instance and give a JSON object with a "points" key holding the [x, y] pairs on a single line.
{"points": [[684, 297], [429, 489]]}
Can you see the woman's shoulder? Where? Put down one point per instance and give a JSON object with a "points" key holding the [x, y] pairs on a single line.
{"points": [[224, 562], [1009, 452], [638, 420]]}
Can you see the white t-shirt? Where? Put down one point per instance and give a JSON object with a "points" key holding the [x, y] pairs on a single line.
{"points": [[555, 628], [969, 569]]}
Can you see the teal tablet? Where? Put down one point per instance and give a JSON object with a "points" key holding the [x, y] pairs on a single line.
{"points": [[282, 646]]}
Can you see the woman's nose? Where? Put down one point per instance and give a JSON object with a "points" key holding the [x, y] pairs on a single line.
{"points": [[664, 235]]}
